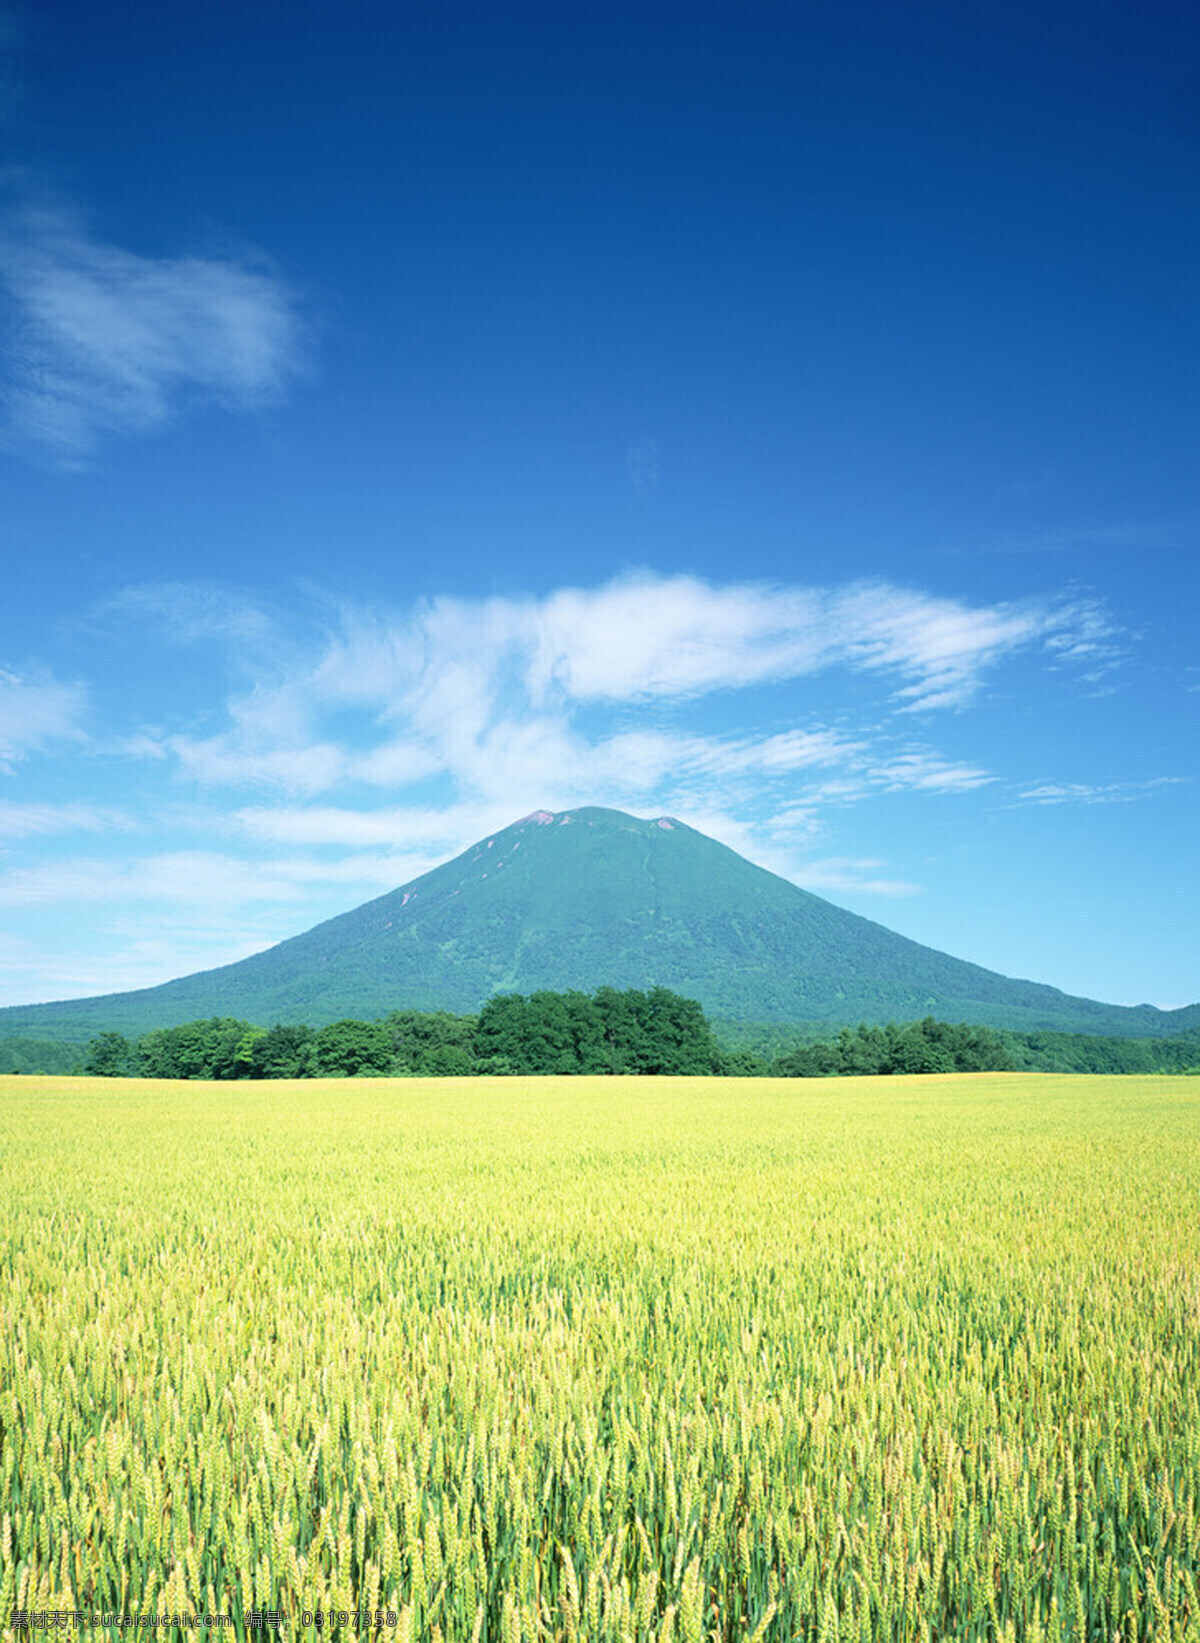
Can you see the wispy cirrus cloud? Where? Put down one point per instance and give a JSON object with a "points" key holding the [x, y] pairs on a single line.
{"points": [[1094, 792], [199, 612], [33, 820], [35, 710], [131, 952], [577, 686], [880, 770], [99, 340], [195, 878], [409, 826], [464, 712], [856, 875], [169, 912], [644, 637]]}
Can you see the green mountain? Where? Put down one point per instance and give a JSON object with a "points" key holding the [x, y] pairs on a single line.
{"points": [[590, 898]]}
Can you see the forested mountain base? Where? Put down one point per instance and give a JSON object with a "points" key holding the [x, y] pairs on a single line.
{"points": [[931, 1046], [574, 1033], [547, 1033], [39, 1055]]}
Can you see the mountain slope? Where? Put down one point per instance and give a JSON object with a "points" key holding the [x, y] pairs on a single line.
{"points": [[593, 897]]}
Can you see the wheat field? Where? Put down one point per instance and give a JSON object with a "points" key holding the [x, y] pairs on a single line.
{"points": [[912, 1358]]}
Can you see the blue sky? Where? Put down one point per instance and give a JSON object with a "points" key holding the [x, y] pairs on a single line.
{"points": [[782, 417]]}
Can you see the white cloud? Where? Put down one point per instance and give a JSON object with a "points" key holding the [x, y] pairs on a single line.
{"points": [[1094, 792], [1088, 639], [909, 770], [32, 820], [198, 878], [102, 340], [494, 694], [439, 723], [238, 761], [926, 772], [648, 637], [139, 952], [422, 833], [36, 710], [198, 613], [852, 874]]}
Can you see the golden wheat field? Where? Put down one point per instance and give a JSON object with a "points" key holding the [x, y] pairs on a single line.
{"points": [[603, 1358]]}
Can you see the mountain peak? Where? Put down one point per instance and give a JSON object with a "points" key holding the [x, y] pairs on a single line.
{"points": [[593, 897], [594, 816]]}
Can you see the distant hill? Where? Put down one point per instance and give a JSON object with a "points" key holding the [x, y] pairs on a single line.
{"points": [[589, 898]]}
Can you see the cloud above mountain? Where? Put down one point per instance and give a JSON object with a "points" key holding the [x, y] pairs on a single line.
{"points": [[587, 690]]}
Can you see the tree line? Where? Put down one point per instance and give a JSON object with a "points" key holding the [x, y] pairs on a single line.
{"points": [[604, 1032], [608, 1031], [931, 1046]]}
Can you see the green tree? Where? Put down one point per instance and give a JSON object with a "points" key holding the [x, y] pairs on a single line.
{"points": [[283, 1051], [350, 1049], [111, 1055], [196, 1049], [433, 1043], [678, 1035], [610, 1032], [808, 1061], [918, 1050], [743, 1064], [549, 1044], [626, 1048], [448, 1061], [501, 1032], [863, 1053]]}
